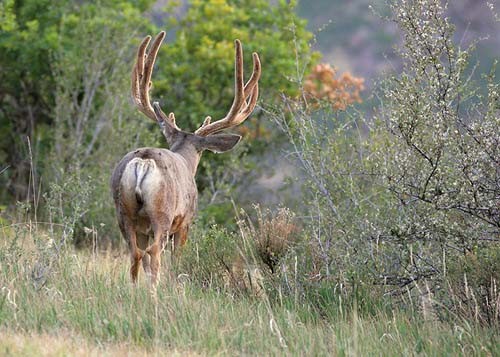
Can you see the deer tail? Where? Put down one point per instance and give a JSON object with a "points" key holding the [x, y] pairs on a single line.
{"points": [[142, 169]]}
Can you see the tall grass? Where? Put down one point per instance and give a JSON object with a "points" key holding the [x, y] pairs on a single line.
{"points": [[47, 293]]}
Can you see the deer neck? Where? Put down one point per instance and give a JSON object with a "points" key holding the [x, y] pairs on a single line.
{"points": [[191, 156]]}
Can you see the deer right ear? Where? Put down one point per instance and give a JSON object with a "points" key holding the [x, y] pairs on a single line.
{"points": [[219, 143]]}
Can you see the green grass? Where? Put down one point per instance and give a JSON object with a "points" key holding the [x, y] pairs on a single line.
{"points": [[86, 300]]}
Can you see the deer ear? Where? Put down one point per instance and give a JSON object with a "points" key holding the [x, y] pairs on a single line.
{"points": [[220, 143]]}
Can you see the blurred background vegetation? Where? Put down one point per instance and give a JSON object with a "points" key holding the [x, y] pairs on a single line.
{"points": [[378, 126]]}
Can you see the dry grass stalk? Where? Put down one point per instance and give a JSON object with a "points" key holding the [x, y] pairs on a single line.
{"points": [[273, 235]]}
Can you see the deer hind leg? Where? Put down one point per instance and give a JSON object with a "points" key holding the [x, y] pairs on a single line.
{"points": [[136, 253], [180, 239], [155, 251], [142, 243]]}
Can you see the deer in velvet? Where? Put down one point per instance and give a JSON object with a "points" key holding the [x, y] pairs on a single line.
{"points": [[154, 189]]}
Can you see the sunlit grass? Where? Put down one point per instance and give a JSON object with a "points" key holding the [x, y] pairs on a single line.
{"points": [[79, 303]]}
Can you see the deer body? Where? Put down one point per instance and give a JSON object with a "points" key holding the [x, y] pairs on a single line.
{"points": [[149, 178], [154, 189]]}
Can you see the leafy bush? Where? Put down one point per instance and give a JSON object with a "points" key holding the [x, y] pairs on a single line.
{"points": [[200, 81], [39, 42], [76, 93], [209, 256], [244, 262], [440, 161], [340, 92], [73, 102], [394, 199], [93, 121]]}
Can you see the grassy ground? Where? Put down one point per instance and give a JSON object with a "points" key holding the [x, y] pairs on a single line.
{"points": [[78, 303]]}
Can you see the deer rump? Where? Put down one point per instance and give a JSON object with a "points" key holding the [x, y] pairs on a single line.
{"points": [[153, 189]]}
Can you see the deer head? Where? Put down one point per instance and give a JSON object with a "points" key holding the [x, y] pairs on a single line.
{"points": [[154, 189]]}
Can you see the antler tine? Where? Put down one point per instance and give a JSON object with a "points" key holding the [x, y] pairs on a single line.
{"points": [[150, 60], [239, 88], [240, 109], [251, 104], [252, 87], [141, 74], [137, 71], [254, 78]]}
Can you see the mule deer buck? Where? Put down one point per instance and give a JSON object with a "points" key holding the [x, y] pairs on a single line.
{"points": [[154, 189]]}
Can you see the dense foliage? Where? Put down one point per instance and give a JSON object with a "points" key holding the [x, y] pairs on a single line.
{"points": [[64, 73], [49, 50], [196, 77], [410, 200]]}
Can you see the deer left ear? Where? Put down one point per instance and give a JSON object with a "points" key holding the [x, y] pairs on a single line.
{"points": [[220, 143]]}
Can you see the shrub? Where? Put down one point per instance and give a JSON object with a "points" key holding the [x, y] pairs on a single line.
{"points": [[208, 257], [93, 121], [244, 262], [440, 161], [51, 49], [340, 92], [394, 199], [200, 81], [272, 235]]}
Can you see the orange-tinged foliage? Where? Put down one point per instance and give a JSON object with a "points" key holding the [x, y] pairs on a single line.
{"points": [[323, 84]]}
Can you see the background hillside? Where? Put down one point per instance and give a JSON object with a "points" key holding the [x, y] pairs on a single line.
{"points": [[352, 36]]}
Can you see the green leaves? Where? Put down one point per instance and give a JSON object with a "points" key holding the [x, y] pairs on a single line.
{"points": [[7, 16], [196, 71]]}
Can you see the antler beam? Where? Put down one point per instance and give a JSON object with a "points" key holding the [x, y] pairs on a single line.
{"points": [[141, 74], [245, 97]]}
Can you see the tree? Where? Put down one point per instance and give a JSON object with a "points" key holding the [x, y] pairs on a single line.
{"points": [[35, 38], [441, 165], [323, 84], [28, 34], [195, 76], [443, 146], [64, 84]]}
